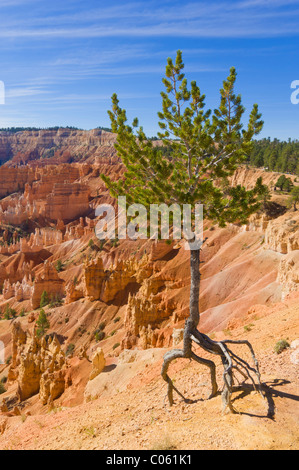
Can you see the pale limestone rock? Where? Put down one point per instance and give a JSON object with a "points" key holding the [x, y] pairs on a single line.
{"points": [[38, 365], [127, 356], [177, 336], [294, 344], [282, 233], [288, 274], [52, 386], [294, 357], [98, 363]]}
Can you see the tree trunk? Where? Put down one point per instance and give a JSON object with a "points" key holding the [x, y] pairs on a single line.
{"points": [[193, 320], [195, 286]]}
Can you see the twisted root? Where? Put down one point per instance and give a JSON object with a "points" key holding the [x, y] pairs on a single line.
{"points": [[230, 361]]}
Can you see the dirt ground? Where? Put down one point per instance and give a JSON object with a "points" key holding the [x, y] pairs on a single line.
{"points": [[139, 418]]}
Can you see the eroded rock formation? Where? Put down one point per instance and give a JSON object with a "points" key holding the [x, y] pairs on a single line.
{"points": [[288, 274], [38, 365], [49, 282], [98, 363], [53, 200]]}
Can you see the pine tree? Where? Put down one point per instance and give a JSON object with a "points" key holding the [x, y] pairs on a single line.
{"points": [[294, 198], [205, 149], [59, 266], [280, 182], [42, 324], [44, 299], [280, 156], [288, 185], [263, 191]]}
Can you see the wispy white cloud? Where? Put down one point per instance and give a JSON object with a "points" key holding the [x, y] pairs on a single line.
{"points": [[25, 91], [192, 30], [117, 70], [157, 12], [69, 55], [92, 97], [266, 3], [247, 18]]}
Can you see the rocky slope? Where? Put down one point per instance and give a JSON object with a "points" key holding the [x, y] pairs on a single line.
{"points": [[130, 411]]}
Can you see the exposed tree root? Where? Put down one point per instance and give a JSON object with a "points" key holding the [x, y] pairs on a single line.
{"points": [[231, 362]]}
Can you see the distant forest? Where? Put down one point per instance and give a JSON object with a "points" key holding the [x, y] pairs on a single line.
{"points": [[276, 155], [14, 130]]}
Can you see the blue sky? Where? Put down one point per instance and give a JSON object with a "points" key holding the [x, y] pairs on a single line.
{"points": [[62, 60]]}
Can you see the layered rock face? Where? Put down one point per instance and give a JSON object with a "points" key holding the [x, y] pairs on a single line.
{"points": [[95, 276], [40, 177], [64, 201], [73, 293], [61, 144], [67, 201], [38, 365], [18, 278], [48, 236], [247, 177], [49, 282], [42, 237], [282, 234], [14, 180], [21, 266], [288, 275], [147, 309]]}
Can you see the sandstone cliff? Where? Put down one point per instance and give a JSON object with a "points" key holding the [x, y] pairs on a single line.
{"points": [[57, 146], [38, 365]]}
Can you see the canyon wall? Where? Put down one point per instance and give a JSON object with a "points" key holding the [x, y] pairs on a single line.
{"points": [[55, 146]]}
